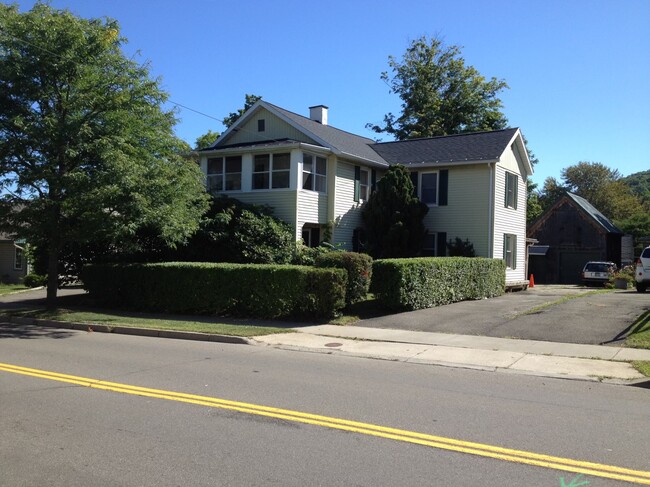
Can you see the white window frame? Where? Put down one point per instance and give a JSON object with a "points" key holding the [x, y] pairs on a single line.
{"points": [[224, 176], [420, 186], [313, 173], [510, 250], [511, 189], [309, 232], [18, 258], [364, 188], [272, 171]]}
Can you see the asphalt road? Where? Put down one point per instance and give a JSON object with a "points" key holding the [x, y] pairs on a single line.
{"points": [[589, 318], [63, 434]]}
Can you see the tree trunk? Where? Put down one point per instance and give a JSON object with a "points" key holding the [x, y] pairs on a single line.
{"points": [[52, 275]]}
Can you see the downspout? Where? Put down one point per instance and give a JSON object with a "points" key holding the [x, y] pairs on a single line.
{"points": [[491, 209]]}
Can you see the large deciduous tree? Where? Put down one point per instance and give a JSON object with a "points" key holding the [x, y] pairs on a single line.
{"points": [[232, 117], [87, 151], [393, 217], [598, 184], [206, 140], [440, 94]]}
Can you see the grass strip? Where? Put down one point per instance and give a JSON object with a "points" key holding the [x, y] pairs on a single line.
{"points": [[134, 321], [562, 300], [642, 366], [639, 336], [11, 288]]}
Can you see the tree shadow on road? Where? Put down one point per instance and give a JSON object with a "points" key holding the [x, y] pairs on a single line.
{"points": [[8, 330]]}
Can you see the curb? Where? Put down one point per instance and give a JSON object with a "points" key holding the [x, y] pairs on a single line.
{"points": [[123, 330]]}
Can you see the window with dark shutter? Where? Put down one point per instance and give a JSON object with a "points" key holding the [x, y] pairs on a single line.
{"points": [[357, 183], [511, 191], [442, 187], [414, 180]]}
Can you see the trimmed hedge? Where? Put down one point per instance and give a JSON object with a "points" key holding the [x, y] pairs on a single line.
{"points": [[358, 267], [409, 284], [249, 290]]}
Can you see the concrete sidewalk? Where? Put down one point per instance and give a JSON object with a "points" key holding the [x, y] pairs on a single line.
{"points": [[523, 356], [563, 360]]}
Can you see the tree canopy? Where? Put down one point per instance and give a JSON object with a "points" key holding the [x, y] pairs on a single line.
{"points": [[206, 140], [233, 116], [606, 190], [393, 217], [598, 184], [440, 94], [639, 183], [87, 150]]}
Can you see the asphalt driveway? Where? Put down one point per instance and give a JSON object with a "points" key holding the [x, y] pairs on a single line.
{"points": [[534, 314]]}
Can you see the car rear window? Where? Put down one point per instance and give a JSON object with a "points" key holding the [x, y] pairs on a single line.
{"points": [[596, 267], [646, 253]]}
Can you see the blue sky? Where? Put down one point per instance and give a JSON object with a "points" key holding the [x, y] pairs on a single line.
{"points": [[578, 71]]}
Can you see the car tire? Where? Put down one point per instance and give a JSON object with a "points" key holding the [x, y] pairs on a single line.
{"points": [[640, 287]]}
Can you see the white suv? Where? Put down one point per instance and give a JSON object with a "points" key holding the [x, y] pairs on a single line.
{"points": [[642, 274]]}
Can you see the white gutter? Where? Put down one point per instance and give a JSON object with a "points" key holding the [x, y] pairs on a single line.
{"points": [[425, 165]]}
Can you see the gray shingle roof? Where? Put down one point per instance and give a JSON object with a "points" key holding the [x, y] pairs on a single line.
{"points": [[474, 147], [338, 139], [471, 147], [594, 213]]}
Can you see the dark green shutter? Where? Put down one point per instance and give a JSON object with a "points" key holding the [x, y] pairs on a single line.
{"points": [[414, 180], [373, 180], [442, 190], [515, 180], [357, 183], [441, 244]]}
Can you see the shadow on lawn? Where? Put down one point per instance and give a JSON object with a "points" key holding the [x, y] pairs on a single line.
{"points": [[83, 302]]}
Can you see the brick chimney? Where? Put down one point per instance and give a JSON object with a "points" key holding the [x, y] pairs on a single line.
{"points": [[318, 113]]}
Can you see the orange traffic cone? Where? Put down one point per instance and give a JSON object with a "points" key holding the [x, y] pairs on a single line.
{"points": [[531, 281]]}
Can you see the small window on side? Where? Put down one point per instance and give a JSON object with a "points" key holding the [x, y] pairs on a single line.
{"points": [[261, 125], [18, 258]]}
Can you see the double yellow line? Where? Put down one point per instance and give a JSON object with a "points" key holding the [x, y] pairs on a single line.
{"points": [[483, 450]]}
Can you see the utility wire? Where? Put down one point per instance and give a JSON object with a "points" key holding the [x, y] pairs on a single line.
{"points": [[60, 56]]}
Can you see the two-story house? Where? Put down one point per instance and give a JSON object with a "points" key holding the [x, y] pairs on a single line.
{"points": [[317, 176]]}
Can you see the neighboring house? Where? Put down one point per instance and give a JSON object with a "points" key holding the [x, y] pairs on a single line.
{"points": [[571, 233], [317, 177], [13, 264]]}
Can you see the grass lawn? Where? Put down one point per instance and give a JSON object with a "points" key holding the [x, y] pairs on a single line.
{"points": [[10, 288], [639, 337], [136, 320]]}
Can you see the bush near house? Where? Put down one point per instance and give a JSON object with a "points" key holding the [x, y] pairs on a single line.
{"points": [[409, 284], [254, 291], [358, 267]]}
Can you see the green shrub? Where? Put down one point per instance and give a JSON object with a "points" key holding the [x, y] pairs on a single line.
{"points": [[237, 232], [304, 255], [358, 267], [254, 291], [409, 284], [34, 280]]}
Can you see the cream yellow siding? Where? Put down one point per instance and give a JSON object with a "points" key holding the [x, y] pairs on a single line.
{"points": [[347, 212], [274, 128], [8, 271], [509, 220], [466, 214], [312, 208]]}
